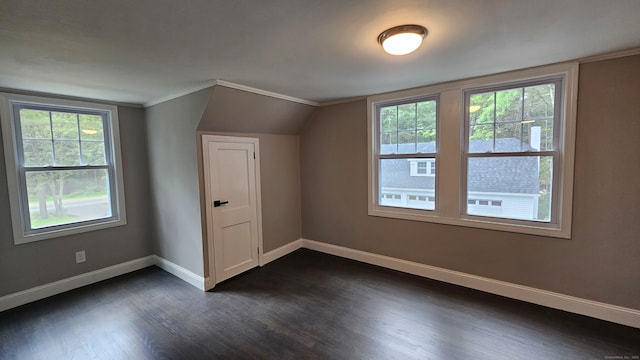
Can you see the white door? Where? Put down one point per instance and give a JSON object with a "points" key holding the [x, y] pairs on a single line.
{"points": [[232, 192]]}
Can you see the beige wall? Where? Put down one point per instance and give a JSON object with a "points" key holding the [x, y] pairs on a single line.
{"points": [[280, 187], [232, 110], [599, 263], [276, 123]]}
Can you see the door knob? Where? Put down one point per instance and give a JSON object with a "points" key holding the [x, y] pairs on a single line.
{"points": [[217, 203]]}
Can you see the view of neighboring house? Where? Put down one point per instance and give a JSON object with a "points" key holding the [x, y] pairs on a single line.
{"points": [[410, 182]]}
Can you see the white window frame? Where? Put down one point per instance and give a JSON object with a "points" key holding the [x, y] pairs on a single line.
{"points": [[553, 153], [376, 156], [16, 199], [450, 189]]}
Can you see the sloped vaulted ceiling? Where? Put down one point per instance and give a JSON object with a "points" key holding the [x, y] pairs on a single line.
{"points": [[238, 111]]}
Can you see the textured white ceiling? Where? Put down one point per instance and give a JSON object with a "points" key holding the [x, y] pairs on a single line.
{"points": [[141, 50]]}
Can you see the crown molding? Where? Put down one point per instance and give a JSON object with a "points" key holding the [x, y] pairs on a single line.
{"points": [[231, 85], [67, 97], [178, 94], [609, 56], [343, 101]]}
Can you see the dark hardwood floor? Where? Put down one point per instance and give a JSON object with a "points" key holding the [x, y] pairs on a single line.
{"points": [[306, 305]]}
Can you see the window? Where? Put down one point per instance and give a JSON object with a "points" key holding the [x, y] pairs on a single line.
{"points": [[511, 147], [504, 149], [406, 144], [63, 166]]}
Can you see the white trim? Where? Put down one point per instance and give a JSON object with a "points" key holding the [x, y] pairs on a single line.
{"points": [[18, 207], [451, 157], [231, 85], [206, 138], [609, 56], [180, 93], [281, 251], [43, 291], [180, 272], [258, 180], [595, 309], [342, 101], [470, 83], [265, 93], [57, 287], [69, 97]]}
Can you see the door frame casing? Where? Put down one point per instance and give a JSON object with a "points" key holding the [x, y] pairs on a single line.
{"points": [[210, 281]]}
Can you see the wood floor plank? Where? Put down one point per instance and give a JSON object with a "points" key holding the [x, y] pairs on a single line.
{"points": [[306, 305]]}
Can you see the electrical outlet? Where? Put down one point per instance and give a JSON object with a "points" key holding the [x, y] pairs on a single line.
{"points": [[81, 257]]}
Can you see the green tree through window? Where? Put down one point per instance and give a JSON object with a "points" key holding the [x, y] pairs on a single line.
{"points": [[66, 178]]}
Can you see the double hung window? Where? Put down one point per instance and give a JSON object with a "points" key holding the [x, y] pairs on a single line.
{"points": [[503, 147], [407, 144], [62, 166], [511, 148]]}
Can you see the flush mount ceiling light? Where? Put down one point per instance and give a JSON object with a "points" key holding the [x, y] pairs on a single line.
{"points": [[403, 39]]}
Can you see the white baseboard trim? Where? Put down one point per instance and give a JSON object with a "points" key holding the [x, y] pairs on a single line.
{"points": [[281, 251], [57, 287], [180, 272], [595, 309]]}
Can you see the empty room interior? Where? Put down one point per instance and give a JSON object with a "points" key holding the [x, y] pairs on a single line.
{"points": [[285, 179]]}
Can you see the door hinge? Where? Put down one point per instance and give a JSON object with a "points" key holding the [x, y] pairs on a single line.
{"points": [[258, 251], [254, 156]]}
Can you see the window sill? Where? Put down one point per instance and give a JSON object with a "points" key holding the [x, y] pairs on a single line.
{"points": [[20, 238], [487, 223]]}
